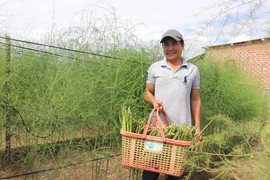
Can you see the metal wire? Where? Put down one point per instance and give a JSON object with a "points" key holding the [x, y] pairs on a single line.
{"points": [[61, 48], [27, 129], [57, 168]]}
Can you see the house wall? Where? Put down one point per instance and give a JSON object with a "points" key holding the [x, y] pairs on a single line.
{"points": [[252, 56]]}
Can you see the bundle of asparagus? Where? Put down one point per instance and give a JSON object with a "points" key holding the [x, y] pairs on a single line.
{"points": [[182, 133]]}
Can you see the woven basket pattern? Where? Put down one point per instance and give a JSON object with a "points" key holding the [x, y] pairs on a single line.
{"points": [[171, 160]]}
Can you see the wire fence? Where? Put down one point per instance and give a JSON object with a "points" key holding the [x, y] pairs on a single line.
{"points": [[34, 135], [59, 48]]}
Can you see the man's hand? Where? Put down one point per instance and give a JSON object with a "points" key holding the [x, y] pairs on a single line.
{"points": [[149, 96], [157, 104]]}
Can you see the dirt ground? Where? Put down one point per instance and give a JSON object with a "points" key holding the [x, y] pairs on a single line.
{"points": [[100, 170], [78, 164]]}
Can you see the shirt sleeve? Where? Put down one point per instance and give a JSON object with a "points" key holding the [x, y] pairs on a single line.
{"points": [[150, 78], [196, 84]]}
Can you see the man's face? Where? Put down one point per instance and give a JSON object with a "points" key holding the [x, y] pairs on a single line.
{"points": [[172, 49]]}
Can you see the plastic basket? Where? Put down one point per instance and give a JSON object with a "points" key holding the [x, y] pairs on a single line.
{"points": [[157, 154]]}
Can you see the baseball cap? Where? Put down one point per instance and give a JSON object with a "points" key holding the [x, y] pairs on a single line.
{"points": [[173, 33]]}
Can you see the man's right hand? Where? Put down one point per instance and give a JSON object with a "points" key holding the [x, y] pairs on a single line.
{"points": [[149, 96], [157, 104]]}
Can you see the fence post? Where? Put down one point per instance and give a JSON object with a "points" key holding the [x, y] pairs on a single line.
{"points": [[7, 91]]}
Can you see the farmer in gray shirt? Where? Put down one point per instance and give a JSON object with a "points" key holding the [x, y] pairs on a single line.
{"points": [[173, 85]]}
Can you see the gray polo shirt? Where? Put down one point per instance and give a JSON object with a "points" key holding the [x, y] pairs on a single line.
{"points": [[174, 88]]}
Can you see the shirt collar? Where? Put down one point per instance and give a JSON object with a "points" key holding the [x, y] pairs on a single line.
{"points": [[184, 63], [165, 64]]}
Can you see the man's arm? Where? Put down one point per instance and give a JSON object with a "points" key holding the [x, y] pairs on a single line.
{"points": [[196, 108], [149, 96]]}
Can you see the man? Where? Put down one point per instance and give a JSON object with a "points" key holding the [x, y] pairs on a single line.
{"points": [[173, 84]]}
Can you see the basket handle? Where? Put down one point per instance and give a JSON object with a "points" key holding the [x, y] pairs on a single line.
{"points": [[164, 116], [157, 120]]}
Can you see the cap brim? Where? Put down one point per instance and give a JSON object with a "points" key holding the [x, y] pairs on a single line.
{"points": [[173, 37]]}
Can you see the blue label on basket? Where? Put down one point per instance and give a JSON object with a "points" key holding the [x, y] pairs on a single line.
{"points": [[153, 146]]}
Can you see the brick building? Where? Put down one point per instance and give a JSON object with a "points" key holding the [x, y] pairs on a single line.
{"points": [[253, 55]]}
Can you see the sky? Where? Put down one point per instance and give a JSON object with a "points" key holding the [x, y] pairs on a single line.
{"points": [[202, 22]]}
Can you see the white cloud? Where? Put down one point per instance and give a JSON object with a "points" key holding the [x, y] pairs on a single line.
{"points": [[152, 17]]}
